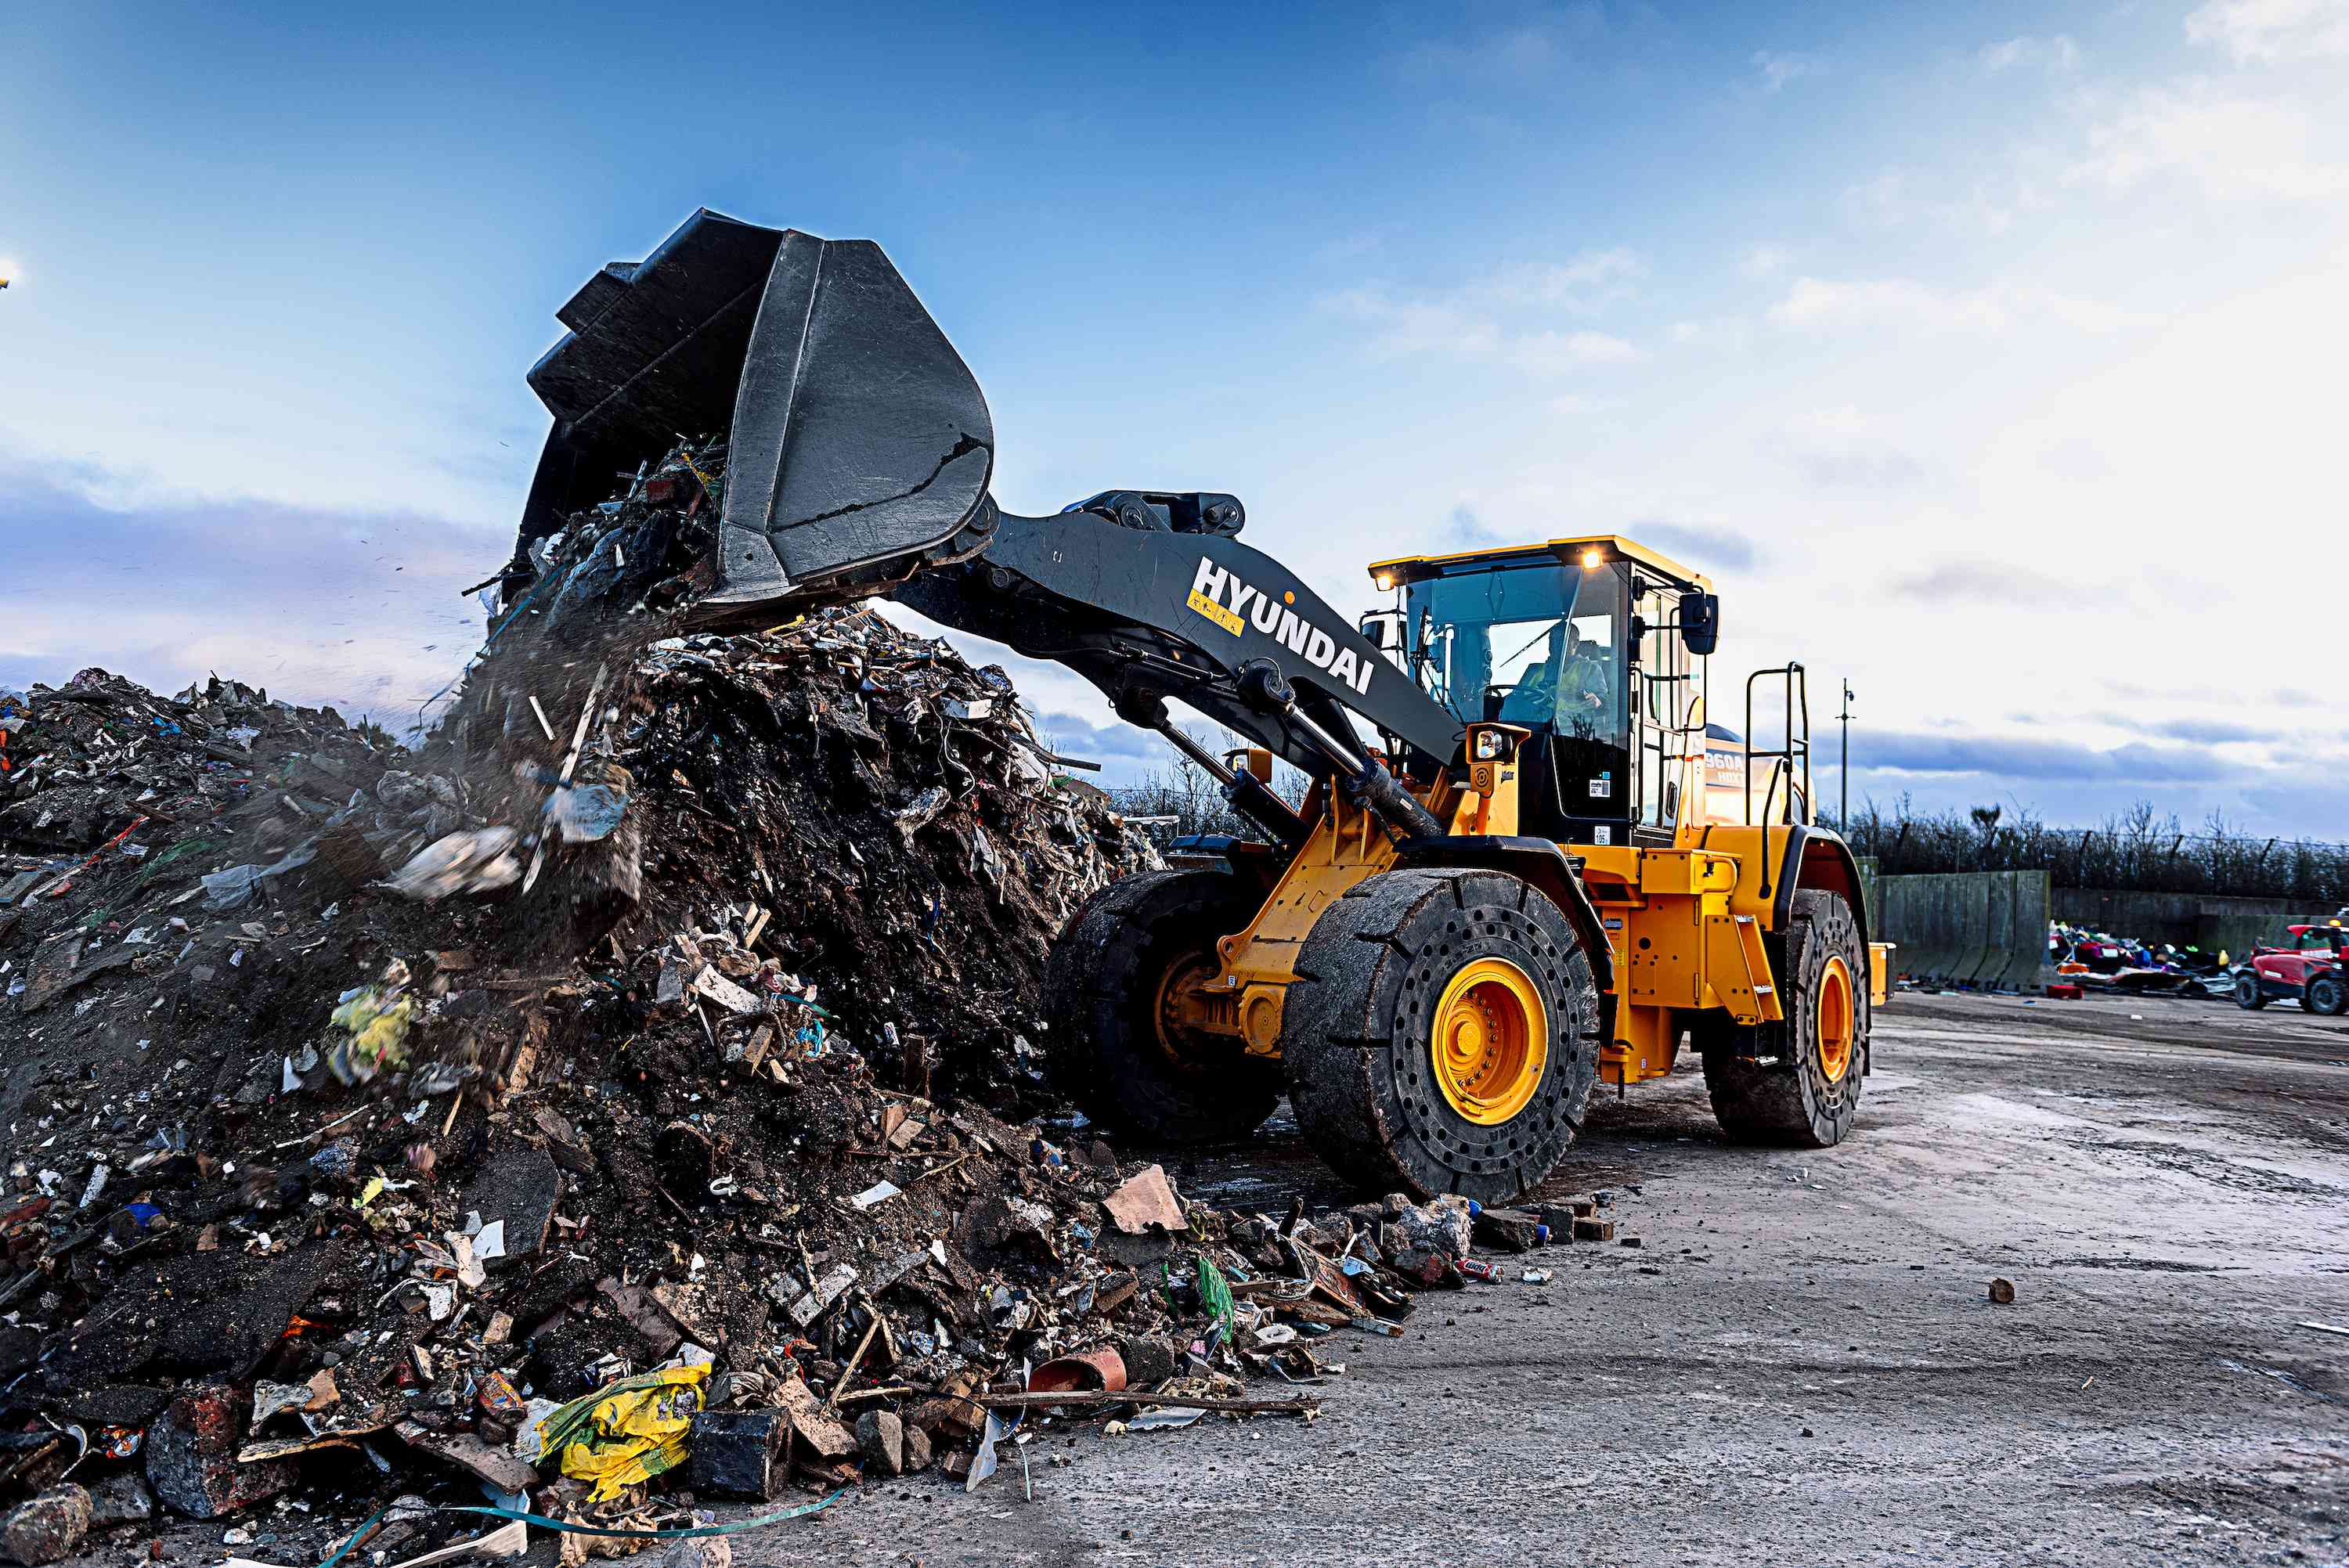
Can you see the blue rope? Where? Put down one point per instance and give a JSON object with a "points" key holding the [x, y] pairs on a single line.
{"points": [[542, 1520]]}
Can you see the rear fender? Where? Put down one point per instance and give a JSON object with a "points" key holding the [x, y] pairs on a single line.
{"points": [[1819, 859]]}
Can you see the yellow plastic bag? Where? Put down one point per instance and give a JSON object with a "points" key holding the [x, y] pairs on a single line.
{"points": [[626, 1432]]}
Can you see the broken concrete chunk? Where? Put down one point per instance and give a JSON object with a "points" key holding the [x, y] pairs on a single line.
{"points": [[881, 1438], [1510, 1230], [519, 1187], [813, 1425], [1424, 1241], [270, 1399], [48, 1528], [1003, 1224], [120, 1500], [712, 1551], [1149, 1361]]}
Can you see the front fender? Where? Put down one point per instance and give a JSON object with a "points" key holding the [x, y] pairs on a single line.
{"points": [[1537, 861]]}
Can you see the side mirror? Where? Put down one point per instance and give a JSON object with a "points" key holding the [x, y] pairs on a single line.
{"points": [[1701, 623]]}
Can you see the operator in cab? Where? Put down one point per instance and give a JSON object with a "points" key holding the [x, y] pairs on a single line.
{"points": [[1569, 681], [1585, 685]]}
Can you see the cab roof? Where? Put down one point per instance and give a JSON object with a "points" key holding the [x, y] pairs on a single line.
{"points": [[1570, 552]]}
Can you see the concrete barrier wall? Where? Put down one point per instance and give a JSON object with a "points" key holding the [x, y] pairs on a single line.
{"points": [[1967, 928], [2190, 920]]}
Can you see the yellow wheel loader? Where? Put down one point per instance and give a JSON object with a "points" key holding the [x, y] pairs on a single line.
{"points": [[1517, 872]]}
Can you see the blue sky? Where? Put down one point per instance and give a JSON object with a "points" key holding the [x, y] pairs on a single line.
{"points": [[1986, 355]]}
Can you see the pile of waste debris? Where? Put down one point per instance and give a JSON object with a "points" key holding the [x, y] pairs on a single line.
{"points": [[626, 1100]]}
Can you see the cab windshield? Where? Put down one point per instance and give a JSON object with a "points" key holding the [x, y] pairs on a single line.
{"points": [[1539, 645]]}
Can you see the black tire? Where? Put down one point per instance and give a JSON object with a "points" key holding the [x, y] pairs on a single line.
{"points": [[1795, 1100], [2248, 994], [1102, 989], [1356, 1032], [2326, 996]]}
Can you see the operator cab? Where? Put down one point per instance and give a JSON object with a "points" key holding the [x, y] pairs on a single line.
{"points": [[1596, 644]]}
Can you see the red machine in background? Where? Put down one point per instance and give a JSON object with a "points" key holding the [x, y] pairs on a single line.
{"points": [[2306, 968]]}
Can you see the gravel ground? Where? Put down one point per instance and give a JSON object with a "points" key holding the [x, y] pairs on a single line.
{"points": [[1800, 1364]]}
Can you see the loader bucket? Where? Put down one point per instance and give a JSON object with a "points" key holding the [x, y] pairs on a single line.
{"points": [[858, 436]]}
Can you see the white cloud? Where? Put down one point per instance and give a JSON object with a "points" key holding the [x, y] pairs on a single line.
{"points": [[2229, 145], [1762, 261], [1777, 69], [1713, 331], [1827, 304], [1838, 422], [1551, 352], [1508, 53], [1508, 313], [1581, 283], [1990, 206], [1883, 199], [1841, 446], [2271, 30], [2058, 54]]}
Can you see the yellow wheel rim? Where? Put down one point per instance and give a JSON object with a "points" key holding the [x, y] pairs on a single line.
{"points": [[1491, 1041], [1839, 1021], [1176, 1039]]}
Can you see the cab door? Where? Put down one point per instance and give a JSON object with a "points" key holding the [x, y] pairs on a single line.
{"points": [[2320, 950]]}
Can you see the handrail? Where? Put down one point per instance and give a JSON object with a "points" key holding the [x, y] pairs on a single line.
{"points": [[1796, 743]]}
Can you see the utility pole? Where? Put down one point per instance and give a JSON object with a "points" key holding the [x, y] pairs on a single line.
{"points": [[1843, 820]]}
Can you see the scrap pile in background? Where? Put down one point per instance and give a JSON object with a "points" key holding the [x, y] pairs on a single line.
{"points": [[2095, 960]]}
